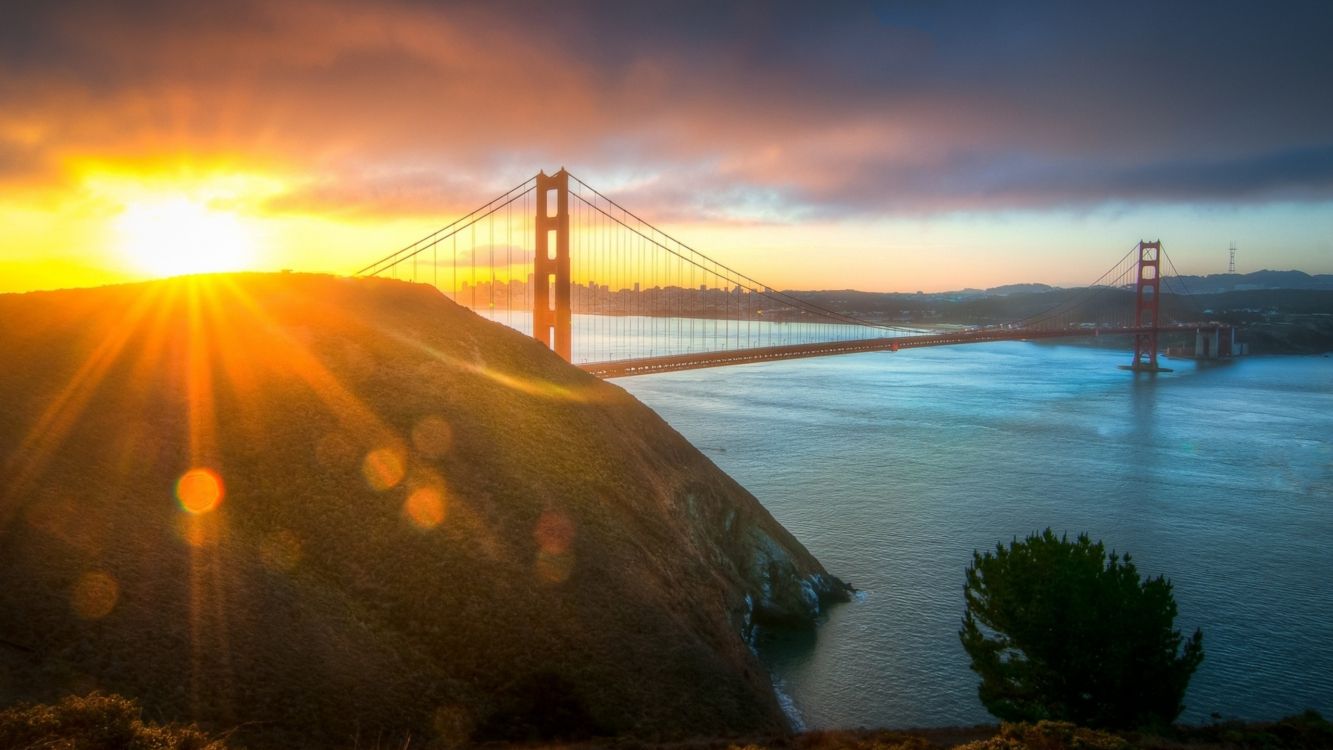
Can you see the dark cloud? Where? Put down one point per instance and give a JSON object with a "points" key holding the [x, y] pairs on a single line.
{"points": [[985, 181], [722, 111], [1301, 174]]}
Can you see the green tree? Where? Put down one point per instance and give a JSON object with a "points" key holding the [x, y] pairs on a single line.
{"points": [[1058, 630]]}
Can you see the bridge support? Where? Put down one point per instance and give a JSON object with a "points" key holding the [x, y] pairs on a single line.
{"points": [[1147, 307], [1207, 343], [551, 312], [1218, 342]]}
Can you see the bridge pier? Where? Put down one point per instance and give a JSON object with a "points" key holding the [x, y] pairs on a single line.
{"points": [[551, 309], [1147, 308], [1207, 343], [1218, 342]]}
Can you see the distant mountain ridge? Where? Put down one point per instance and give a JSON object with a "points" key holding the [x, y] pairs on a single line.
{"points": [[1280, 319], [1209, 284], [1214, 283], [1265, 279]]}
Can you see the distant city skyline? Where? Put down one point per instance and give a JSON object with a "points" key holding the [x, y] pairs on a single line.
{"points": [[889, 146]]}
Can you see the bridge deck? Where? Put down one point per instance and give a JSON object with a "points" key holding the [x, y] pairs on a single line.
{"points": [[671, 363]]}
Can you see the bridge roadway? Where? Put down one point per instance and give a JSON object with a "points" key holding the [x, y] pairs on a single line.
{"points": [[673, 362]]}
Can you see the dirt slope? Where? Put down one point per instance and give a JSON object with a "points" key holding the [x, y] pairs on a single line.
{"points": [[422, 524]]}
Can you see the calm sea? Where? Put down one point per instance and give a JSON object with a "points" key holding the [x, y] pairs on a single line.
{"points": [[893, 467]]}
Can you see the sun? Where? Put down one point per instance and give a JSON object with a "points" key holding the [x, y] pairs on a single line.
{"points": [[179, 236]]}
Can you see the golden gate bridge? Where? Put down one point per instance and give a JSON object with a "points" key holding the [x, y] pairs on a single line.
{"points": [[617, 296]]}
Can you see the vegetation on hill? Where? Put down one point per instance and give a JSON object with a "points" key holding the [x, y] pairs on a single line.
{"points": [[95, 722], [322, 509], [113, 723]]}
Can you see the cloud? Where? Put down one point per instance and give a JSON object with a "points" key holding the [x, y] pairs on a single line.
{"points": [[16, 161], [410, 191], [1300, 173], [986, 180], [704, 111]]}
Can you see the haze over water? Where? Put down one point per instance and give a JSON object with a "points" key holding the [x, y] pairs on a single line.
{"points": [[893, 468]]}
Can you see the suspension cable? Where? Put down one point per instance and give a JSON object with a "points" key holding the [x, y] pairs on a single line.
{"points": [[440, 234], [753, 285]]}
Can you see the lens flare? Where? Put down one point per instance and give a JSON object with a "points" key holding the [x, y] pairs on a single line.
{"points": [[425, 508], [94, 595], [199, 490], [383, 468], [554, 532]]}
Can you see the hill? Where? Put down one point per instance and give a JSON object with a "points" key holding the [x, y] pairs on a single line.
{"points": [[1272, 321], [1218, 283], [329, 510]]}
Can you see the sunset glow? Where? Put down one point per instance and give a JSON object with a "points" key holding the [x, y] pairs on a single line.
{"points": [[178, 236], [885, 148]]}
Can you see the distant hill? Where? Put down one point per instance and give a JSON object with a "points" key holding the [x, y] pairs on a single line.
{"points": [[1008, 289], [429, 525], [1272, 321], [1258, 280], [1210, 284]]}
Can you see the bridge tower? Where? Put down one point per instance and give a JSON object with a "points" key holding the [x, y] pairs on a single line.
{"points": [[551, 312], [1147, 306]]}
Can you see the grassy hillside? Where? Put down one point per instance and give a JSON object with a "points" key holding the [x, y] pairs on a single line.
{"points": [[102, 722], [328, 509]]}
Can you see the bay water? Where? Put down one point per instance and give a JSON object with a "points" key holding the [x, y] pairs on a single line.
{"points": [[893, 467]]}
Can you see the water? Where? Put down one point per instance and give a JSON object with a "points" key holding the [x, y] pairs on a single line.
{"points": [[893, 468], [605, 338]]}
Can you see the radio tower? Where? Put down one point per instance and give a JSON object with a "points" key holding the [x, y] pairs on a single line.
{"points": [[1231, 267]]}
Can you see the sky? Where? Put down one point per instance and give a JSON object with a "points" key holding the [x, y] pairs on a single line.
{"points": [[885, 146]]}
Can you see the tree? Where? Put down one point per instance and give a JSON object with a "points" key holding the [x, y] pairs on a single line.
{"points": [[1057, 630]]}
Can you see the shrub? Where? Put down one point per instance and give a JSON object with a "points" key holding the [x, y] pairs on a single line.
{"points": [[1058, 630], [1048, 735], [94, 722]]}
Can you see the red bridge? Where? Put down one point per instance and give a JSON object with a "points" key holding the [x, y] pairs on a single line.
{"points": [[617, 296]]}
